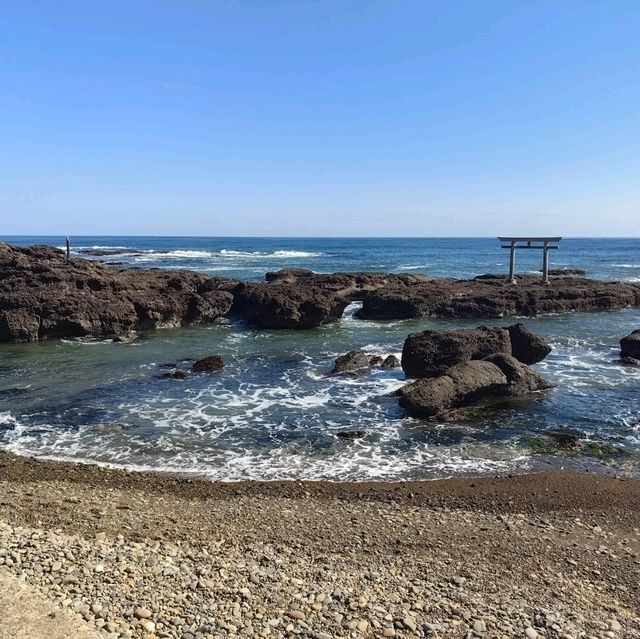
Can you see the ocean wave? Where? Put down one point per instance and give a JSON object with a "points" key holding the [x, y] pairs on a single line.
{"points": [[412, 267], [263, 254]]}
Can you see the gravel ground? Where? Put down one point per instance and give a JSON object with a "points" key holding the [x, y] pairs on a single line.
{"points": [[550, 555]]}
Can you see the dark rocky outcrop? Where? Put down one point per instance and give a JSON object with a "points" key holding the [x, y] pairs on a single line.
{"points": [[390, 362], [494, 298], [526, 346], [468, 383], [521, 379], [461, 367], [431, 353], [44, 295], [359, 361], [208, 364], [462, 385], [630, 347]]}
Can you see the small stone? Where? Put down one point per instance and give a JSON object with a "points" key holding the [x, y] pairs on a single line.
{"points": [[98, 568], [296, 614], [479, 627], [363, 625], [530, 632], [149, 626], [142, 613], [389, 632], [614, 625]]}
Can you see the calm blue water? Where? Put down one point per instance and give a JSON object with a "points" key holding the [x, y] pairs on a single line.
{"points": [[273, 413]]}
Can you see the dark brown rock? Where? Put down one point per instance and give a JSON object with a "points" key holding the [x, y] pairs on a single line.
{"points": [[521, 379], [494, 297], [208, 364], [432, 353], [45, 295], [390, 362], [351, 434], [462, 385], [526, 346], [630, 346], [352, 362]]}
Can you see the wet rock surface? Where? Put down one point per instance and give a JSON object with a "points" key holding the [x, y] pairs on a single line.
{"points": [[358, 361], [630, 346], [208, 364]]}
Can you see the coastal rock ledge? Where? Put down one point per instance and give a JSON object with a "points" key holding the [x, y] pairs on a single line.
{"points": [[45, 295]]}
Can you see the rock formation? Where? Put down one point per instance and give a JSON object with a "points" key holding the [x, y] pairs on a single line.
{"points": [[630, 348], [45, 295], [461, 367], [431, 353]]}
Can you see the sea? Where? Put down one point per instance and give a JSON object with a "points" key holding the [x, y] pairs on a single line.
{"points": [[273, 412]]}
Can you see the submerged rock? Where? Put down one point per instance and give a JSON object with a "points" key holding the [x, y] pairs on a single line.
{"points": [[630, 346], [208, 364], [351, 434]]}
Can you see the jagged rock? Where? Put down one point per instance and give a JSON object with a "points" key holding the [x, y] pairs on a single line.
{"points": [[630, 346], [45, 295], [462, 385], [208, 364], [432, 353], [390, 362], [526, 346]]}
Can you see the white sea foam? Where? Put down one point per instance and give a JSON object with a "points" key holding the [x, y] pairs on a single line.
{"points": [[263, 254]]}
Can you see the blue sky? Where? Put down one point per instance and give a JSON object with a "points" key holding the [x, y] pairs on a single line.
{"points": [[320, 118]]}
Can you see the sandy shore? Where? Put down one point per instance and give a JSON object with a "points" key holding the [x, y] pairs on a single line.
{"points": [[140, 555]]}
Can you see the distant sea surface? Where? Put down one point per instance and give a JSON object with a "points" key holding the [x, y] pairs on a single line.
{"points": [[272, 413]]}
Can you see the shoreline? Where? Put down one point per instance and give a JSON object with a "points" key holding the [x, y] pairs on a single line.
{"points": [[149, 556], [555, 489]]}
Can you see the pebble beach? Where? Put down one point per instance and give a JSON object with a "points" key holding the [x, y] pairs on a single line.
{"points": [[159, 556]]}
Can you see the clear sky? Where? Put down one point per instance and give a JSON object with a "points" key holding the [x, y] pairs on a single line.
{"points": [[320, 118]]}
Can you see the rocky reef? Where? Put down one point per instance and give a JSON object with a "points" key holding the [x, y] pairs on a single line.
{"points": [[45, 295]]}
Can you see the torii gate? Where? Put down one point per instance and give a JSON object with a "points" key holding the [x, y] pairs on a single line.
{"points": [[540, 243]]}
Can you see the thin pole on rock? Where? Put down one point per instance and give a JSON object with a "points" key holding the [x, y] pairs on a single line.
{"points": [[68, 243]]}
